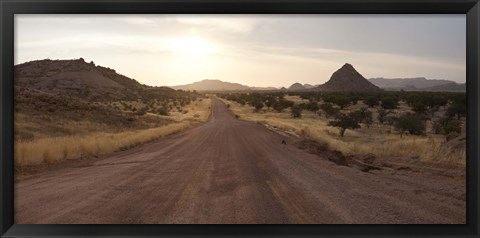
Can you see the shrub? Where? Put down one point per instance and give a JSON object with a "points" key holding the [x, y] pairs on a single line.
{"points": [[341, 100], [452, 126], [368, 118], [258, 105], [269, 103], [162, 111], [277, 106], [457, 109], [329, 109], [296, 111], [419, 107], [141, 111], [389, 103], [413, 123], [371, 101], [446, 125], [312, 106], [390, 120], [382, 115]]}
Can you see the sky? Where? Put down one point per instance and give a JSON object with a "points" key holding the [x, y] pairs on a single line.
{"points": [[254, 50]]}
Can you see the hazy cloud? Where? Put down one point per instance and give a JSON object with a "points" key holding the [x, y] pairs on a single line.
{"points": [[258, 50]]}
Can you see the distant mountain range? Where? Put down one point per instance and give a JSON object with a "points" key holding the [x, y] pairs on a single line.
{"points": [[213, 85], [417, 84], [345, 79], [218, 85], [88, 81], [449, 87]]}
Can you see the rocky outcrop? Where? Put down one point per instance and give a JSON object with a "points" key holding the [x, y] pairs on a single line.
{"points": [[347, 79]]}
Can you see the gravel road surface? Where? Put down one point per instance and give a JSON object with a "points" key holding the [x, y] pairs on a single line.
{"points": [[232, 171]]}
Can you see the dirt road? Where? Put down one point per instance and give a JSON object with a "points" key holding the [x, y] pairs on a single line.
{"points": [[232, 171]]}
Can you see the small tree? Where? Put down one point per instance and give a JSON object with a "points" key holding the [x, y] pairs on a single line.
{"points": [[412, 123], [344, 122], [296, 111]]}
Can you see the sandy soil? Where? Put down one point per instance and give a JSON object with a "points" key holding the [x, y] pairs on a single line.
{"points": [[232, 171]]}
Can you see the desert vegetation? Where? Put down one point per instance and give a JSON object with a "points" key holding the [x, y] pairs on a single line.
{"points": [[68, 109], [392, 124], [87, 138]]}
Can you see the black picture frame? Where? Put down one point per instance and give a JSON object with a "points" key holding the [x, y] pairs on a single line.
{"points": [[9, 8]]}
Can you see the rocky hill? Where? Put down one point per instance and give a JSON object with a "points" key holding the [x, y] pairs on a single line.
{"points": [[65, 97], [347, 79], [84, 80], [296, 87]]}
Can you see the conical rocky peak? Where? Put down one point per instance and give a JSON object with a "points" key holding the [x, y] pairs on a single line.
{"points": [[347, 66], [348, 79]]}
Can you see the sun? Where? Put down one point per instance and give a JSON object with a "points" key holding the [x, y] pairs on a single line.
{"points": [[191, 46]]}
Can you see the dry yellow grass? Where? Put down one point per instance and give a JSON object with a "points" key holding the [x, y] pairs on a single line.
{"points": [[295, 99], [50, 150], [198, 110], [374, 140]]}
